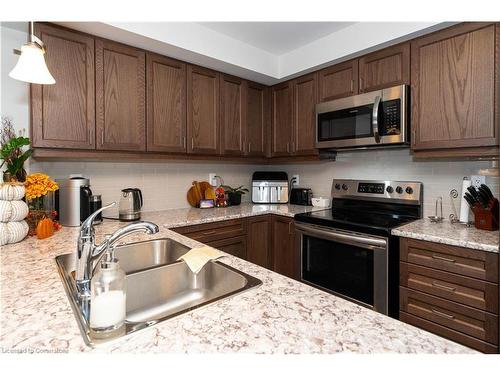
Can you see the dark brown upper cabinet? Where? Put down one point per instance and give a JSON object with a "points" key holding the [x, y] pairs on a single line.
{"points": [[166, 104], [120, 97], [63, 114], [232, 115], [385, 68], [305, 97], [453, 88], [202, 110], [282, 104], [257, 113], [338, 81]]}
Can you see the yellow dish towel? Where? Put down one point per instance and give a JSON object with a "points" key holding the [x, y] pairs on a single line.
{"points": [[199, 256]]}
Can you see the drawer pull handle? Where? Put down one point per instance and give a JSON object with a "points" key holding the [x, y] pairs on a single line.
{"points": [[443, 258], [442, 314], [444, 287], [209, 233]]}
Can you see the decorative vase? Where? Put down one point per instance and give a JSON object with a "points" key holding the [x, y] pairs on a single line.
{"points": [[21, 175], [7, 176], [40, 208], [234, 199]]}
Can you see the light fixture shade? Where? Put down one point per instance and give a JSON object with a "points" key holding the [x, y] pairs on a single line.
{"points": [[31, 66]]}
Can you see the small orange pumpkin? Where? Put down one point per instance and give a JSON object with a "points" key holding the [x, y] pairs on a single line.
{"points": [[45, 228]]}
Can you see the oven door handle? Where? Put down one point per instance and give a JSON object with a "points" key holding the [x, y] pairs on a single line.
{"points": [[375, 123], [346, 238]]}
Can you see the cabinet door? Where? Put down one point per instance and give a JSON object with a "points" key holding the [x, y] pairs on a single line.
{"points": [[257, 119], [282, 99], [63, 114], [385, 68], [258, 241], [305, 97], [283, 246], [232, 115], [338, 81], [166, 104], [453, 88], [202, 110], [120, 97]]}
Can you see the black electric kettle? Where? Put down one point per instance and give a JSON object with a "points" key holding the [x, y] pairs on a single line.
{"points": [[130, 204]]}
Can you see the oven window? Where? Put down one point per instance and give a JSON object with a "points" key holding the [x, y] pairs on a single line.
{"points": [[343, 269], [346, 124]]}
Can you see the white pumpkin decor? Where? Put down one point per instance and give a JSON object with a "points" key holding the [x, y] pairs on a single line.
{"points": [[12, 191], [13, 232], [13, 211]]}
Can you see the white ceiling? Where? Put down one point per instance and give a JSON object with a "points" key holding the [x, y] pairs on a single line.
{"points": [[276, 37]]}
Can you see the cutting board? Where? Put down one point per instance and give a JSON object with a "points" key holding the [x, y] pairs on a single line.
{"points": [[198, 191]]}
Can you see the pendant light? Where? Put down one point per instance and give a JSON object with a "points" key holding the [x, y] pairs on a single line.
{"points": [[31, 66]]}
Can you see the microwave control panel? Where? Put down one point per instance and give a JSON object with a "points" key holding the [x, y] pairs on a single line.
{"points": [[391, 110]]}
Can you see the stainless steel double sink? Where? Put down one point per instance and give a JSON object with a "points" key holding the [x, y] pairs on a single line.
{"points": [[158, 286]]}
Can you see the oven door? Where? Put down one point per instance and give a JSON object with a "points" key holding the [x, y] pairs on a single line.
{"points": [[349, 264]]}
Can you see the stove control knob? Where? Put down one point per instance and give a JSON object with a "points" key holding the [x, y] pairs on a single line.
{"points": [[344, 187], [409, 190], [337, 186], [399, 190], [389, 189]]}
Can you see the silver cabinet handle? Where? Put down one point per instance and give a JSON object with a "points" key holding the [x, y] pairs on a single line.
{"points": [[437, 257], [249, 147], [102, 137], [444, 287], [347, 238], [376, 104], [442, 314], [192, 143], [352, 85]]}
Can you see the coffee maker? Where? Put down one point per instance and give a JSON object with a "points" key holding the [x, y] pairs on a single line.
{"points": [[73, 200]]}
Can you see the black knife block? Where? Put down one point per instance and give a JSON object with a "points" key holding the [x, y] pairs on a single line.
{"points": [[486, 218]]}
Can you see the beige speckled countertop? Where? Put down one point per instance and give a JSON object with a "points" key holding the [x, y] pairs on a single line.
{"points": [[450, 234], [280, 316]]}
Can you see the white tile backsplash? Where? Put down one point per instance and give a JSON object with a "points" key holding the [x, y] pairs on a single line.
{"points": [[438, 177], [164, 185]]}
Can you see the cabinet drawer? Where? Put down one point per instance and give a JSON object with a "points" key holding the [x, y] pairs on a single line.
{"points": [[213, 231], [466, 320], [448, 333], [235, 246], [472, 292], [467, 262]]}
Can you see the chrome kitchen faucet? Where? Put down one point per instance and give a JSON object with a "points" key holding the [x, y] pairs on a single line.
{"points": [[88, 254]]}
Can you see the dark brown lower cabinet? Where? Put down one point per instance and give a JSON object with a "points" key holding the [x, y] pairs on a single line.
{"points": [[236, 246], [283, 246], [259, 250], [450, 291]]}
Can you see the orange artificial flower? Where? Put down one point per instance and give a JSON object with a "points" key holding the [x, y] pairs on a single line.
{"points": [[38, 184]]}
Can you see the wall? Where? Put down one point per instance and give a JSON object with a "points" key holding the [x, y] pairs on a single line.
{"points": [[438, 177]]}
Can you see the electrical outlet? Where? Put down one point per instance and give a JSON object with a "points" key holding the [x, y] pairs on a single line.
{"points": [[477, 180], [211, 179], [296, 182]]}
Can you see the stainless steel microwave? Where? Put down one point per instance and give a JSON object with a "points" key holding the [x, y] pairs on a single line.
{"points": [[373, 119]]}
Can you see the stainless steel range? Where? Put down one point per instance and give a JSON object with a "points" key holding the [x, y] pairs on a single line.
{"points": [[349, 251]]}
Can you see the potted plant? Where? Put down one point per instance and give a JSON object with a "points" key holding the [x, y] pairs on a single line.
{"points": [[11, 152], [234, 194]]}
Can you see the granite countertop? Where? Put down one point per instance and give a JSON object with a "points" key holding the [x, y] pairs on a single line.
{"points": [[450, 234], [191, 216], [280, 316]]}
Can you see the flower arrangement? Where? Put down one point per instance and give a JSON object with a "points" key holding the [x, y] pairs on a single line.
{"points": [[11, 151], [39, 184], [40, 190]]}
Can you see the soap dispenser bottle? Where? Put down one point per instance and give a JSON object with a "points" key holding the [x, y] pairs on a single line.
{"points": [[108, 298]]}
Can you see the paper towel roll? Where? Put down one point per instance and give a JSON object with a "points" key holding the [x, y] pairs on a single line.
{"points": [[464, 206]]}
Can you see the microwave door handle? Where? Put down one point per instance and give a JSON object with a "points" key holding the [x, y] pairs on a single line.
{"points": [[375, 124]]}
